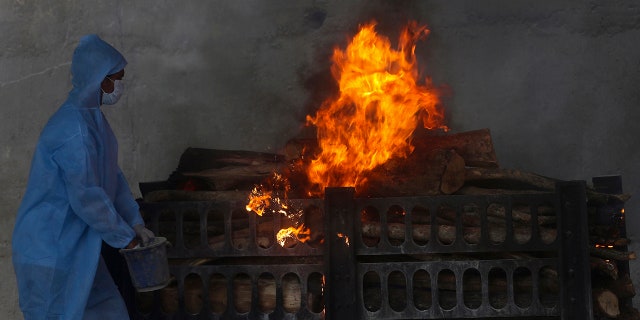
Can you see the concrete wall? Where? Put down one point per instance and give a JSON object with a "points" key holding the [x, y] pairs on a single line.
{"points": [[555, 81]]}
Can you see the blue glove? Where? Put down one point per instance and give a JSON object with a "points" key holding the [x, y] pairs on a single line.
{"points": [[145, 235]]}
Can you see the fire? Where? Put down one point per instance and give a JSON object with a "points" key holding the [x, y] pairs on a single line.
{"points": [[259, 200], [301, 233], [379, 106], [272, 196]]}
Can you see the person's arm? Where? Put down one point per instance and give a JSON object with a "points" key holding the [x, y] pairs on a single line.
{"points": [[130, 210], [125, 204], [87, 199]]}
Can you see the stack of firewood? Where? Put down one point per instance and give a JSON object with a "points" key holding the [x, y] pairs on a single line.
{"points": [[463, 163]]}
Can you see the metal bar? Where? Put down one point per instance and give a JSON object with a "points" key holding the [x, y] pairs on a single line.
{"points": [[574, 256], [339, 257]]}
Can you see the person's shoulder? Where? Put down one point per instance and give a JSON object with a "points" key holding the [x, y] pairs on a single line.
{"points": [[65, 124]]}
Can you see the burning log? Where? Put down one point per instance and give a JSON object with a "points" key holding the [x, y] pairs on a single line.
{"points": [[436, 165], [438, 173], [434, 173], [475, 147]]}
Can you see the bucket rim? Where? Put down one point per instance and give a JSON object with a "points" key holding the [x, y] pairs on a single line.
{"points": [[156, 242]]}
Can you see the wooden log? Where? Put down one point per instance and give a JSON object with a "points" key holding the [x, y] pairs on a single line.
{"points": [[596, 198], [521, 283], [446, 289], [475, 147], [509, 179], [613, 254], [447, 234], [520, 216], [620, 242], [265, 236], [437, 172], [453, 176], [479, 180], [605, 303], [218, 299], [267, 294], [234, 196], [199, 159], [606, 242], [242, 293], [628, 313], [479, 191], [232, 177], [436, 165], [622, 287], [604, 267], [605, 232]]}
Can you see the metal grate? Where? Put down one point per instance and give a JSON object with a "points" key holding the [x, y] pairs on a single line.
{"points": [[352, 275]]}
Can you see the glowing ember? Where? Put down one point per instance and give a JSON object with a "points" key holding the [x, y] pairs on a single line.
{"points": [[272, 197], [301, 233], [345, 237], [379, 106]]}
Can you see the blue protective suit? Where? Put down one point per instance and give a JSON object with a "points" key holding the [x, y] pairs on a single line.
{"points": [[76, 197]]}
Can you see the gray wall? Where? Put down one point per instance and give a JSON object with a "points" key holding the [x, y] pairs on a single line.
{"points": [[555, 81]]}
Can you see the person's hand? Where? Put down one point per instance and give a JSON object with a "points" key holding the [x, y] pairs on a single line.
{"points": [[132, 244], [145, 235]]}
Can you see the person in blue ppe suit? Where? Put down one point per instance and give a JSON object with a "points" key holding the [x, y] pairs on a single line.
{"points": [[76, 198]]}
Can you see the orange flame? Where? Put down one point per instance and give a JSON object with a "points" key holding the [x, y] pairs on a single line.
{"points": [[379, 106], [301, 233], [259, 200], [273, 197]]}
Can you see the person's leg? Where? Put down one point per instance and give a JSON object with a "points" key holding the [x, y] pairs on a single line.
{"points": [[105, 301], [117, 266]]}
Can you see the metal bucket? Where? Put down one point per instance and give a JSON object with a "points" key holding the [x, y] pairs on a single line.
{"points": [[148, 266]]}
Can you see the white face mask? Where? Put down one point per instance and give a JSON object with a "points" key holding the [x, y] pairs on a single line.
{"points": [[113, 97]]}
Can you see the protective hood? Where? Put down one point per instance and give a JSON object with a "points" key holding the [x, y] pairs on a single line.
{"points": [[93, 60]]}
